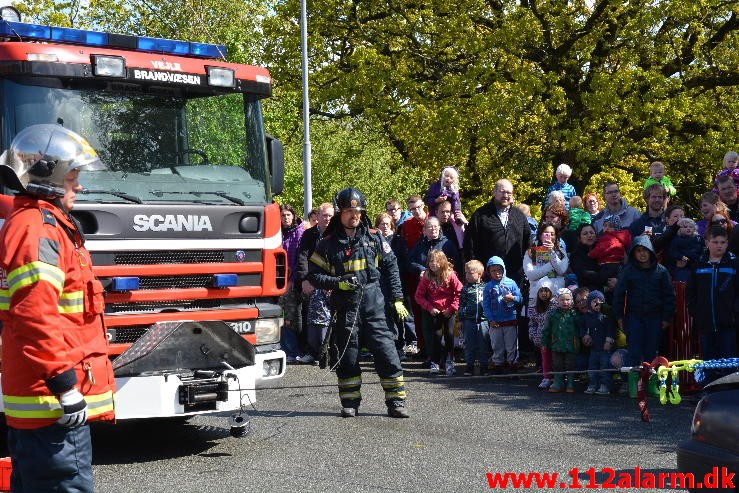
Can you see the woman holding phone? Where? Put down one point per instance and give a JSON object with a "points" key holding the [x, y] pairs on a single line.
{"points": [[545, 263]]}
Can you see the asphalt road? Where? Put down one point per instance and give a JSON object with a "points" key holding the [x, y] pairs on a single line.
{"points": [[460, 429]]}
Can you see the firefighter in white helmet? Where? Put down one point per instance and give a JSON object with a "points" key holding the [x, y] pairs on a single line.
{"points": [[56, 374]]}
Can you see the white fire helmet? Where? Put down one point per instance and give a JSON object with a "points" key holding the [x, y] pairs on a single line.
{"points": [[40, 156]]}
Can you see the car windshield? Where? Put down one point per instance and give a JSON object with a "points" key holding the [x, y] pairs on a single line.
{"points": [[157, 148]]}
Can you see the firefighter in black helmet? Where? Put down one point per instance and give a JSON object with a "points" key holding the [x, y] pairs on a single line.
{"points": [[349, 261]]}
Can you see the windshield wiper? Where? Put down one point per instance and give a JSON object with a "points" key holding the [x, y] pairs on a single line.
{"points": [[121, 195], [224, 195]]}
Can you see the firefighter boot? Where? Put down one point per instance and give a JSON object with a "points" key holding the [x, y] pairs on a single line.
{"points": [[570, 384], [558, 384], [348, 412], [396, 409], [633, 381]]}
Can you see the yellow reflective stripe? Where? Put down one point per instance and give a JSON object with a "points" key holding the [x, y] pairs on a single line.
{"points": [[99, 404], [34, 272], [350, 395], [4, 299], [96, 398], [400, 394], [321, 262], [389, 384], [47, 406], [348, 382], [71, 302], [30, 399], [355, 265]]}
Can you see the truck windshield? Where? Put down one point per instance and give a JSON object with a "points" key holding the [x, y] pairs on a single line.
{"points": [[158, 148]]}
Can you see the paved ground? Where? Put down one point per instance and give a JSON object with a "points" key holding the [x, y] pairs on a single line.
{"points": [[461, 428]]}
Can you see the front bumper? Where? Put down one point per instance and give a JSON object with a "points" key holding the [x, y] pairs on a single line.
{"points": [[701, 459], [173, 395], [269, 366]]}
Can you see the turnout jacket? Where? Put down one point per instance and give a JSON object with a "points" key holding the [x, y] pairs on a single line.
{"points": [[51, 307], [713, 294], [367, 255]]}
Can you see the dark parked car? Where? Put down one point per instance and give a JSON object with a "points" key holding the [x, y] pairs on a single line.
{"points": [[712, 453]]}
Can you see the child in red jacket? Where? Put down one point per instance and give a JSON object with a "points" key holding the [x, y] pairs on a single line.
{"points": [[610, 249], [438, 296]]}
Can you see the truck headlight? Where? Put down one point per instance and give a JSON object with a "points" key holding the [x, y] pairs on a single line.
{"points": [[267, 330]]}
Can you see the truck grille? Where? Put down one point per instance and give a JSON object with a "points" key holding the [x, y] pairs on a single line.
{"points": [[153, 257], [161, 306], [126, 333], [186, 281], [281, 271], [176, 282], [165, 257], [192, 281]]}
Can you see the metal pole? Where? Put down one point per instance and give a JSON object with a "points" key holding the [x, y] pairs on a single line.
{"points": [[307, 185]]}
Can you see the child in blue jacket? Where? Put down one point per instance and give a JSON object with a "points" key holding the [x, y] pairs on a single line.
{"points": [[499, 301]]}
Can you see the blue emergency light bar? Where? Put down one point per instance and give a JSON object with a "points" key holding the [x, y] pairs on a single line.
{"points": [[225, 280], [125, 283], [26, 31]]}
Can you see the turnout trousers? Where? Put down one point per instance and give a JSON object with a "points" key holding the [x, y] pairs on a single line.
{"points": [[361, 320], [52, 458]]}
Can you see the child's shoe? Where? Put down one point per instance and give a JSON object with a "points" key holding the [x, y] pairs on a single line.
{"points": [[545, 383], [590, 389], [450, 370], [603, 390], [434, 370], [557, 385], [570, 384], [469, 371]]}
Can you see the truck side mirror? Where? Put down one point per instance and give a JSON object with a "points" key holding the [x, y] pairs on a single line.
{"points": [[276, 160]]}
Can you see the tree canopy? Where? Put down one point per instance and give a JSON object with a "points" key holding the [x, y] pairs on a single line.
{"points": [[504, 88]]}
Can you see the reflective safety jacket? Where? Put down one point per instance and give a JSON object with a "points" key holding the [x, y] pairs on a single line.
{"points": [[51, 306], [367, 256]]}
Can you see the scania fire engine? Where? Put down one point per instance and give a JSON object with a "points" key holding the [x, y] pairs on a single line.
{"points": [[182, 228]]}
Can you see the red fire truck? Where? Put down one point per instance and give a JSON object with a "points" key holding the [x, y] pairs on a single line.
{"points": [[182, 228]]}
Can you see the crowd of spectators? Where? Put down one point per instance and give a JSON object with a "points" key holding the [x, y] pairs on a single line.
{"points": [[589, 285]]}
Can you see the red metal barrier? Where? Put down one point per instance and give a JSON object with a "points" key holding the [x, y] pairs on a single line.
{"points": [[683, 343]]}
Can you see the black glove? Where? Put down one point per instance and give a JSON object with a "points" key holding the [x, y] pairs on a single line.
{"points": [[348, 282]]}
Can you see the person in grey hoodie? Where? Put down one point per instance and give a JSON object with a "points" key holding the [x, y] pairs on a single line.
{"points": [[615, 206]]}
